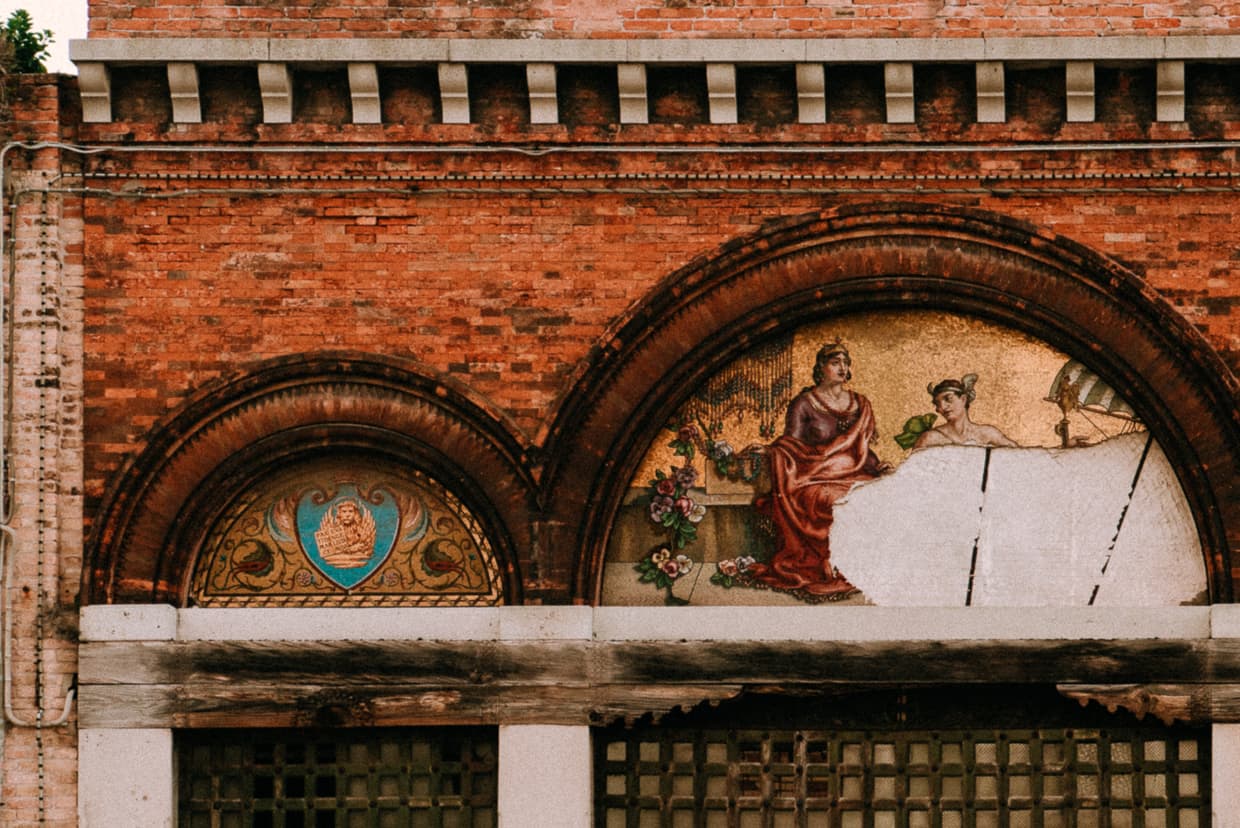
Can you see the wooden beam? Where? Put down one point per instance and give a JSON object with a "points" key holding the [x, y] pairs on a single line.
{"points": [[659, 662], [251, 705], [1191, 703], [294, 684]]}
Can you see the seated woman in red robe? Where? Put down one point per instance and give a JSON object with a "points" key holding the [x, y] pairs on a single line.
{"points": [[824, 451]]}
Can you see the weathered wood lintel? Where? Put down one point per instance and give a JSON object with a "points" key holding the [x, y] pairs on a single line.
{"points": [[1169, 703], [504, 663], [299, 684], [275, 705]]}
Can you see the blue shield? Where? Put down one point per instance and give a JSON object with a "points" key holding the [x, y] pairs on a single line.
{"points": [[349, 535]]}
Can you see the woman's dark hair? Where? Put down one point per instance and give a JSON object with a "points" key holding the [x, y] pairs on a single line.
{"points": [[824, 355]]}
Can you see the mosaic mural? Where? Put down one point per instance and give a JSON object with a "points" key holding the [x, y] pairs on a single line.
{"points": [[905, 458], [339, 532]]}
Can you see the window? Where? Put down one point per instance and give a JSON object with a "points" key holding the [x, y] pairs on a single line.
{"points": [[735, 772], [428, 777]]}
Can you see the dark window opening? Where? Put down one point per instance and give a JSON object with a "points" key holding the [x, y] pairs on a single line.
{"points": [[966, 759], [338, 779]]}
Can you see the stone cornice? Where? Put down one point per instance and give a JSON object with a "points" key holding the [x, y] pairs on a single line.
{"points": [[275, 59], [661, 50]]}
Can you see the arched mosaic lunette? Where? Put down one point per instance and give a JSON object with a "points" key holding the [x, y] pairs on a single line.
{"points": [[894, 256], [232, 432]]}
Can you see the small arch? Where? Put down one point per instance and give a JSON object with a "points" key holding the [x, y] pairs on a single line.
{"points": [[898, 256], [229, 434]]}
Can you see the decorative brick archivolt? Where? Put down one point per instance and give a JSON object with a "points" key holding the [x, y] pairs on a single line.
{"points": [[231, 435], [890, 256]]}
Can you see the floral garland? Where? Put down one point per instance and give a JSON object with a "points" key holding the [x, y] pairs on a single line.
{"points": [[662, 568], [744, 465], [673, 510]]}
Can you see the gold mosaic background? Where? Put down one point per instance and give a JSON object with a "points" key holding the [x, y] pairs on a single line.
{"points": [[896, 353], [440, 555]]}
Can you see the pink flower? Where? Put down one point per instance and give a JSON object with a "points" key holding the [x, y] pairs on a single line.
{"points": [[728, 567], [685, 506], [671, 568], [666, 487], [687, 434]]}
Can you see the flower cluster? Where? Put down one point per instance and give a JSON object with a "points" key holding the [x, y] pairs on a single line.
{"points": [[730, 570], [672, 508], [684, 444], [662, 567], [731, 464]]}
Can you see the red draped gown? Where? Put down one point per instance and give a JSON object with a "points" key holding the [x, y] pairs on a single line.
{"points": [[822, 454]]}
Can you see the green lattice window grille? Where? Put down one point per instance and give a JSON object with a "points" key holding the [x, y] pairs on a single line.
{"points": [[1001, 758], [858, 779], [407, 778]]}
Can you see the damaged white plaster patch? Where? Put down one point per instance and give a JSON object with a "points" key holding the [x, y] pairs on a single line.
{"points": [[1049, 529]]}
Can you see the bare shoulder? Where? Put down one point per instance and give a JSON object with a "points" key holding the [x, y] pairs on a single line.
{"points": [[933, 437], [992, 436]]}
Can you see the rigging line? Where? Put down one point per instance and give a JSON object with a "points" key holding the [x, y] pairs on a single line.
{"points": [[968, 598], [1132, 490], [1089, 420]]}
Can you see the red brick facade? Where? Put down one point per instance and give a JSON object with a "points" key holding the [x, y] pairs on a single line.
{"points": [[500, 258]]}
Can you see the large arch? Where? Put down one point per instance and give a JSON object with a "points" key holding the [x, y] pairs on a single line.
{"points": [[152, 524], [881, 257]]}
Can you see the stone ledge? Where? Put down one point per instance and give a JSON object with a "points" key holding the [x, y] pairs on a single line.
{"points": [[1225, 621], [128, 622], [565, 623], [661, 50], [861, 624], [277, 59]]}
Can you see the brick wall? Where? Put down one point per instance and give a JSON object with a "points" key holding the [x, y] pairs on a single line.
{"points": [[508, 292], [643, 18], [502, 270]]}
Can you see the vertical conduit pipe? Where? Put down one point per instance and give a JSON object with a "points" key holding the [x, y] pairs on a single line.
{"points": [[8, 541]]}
